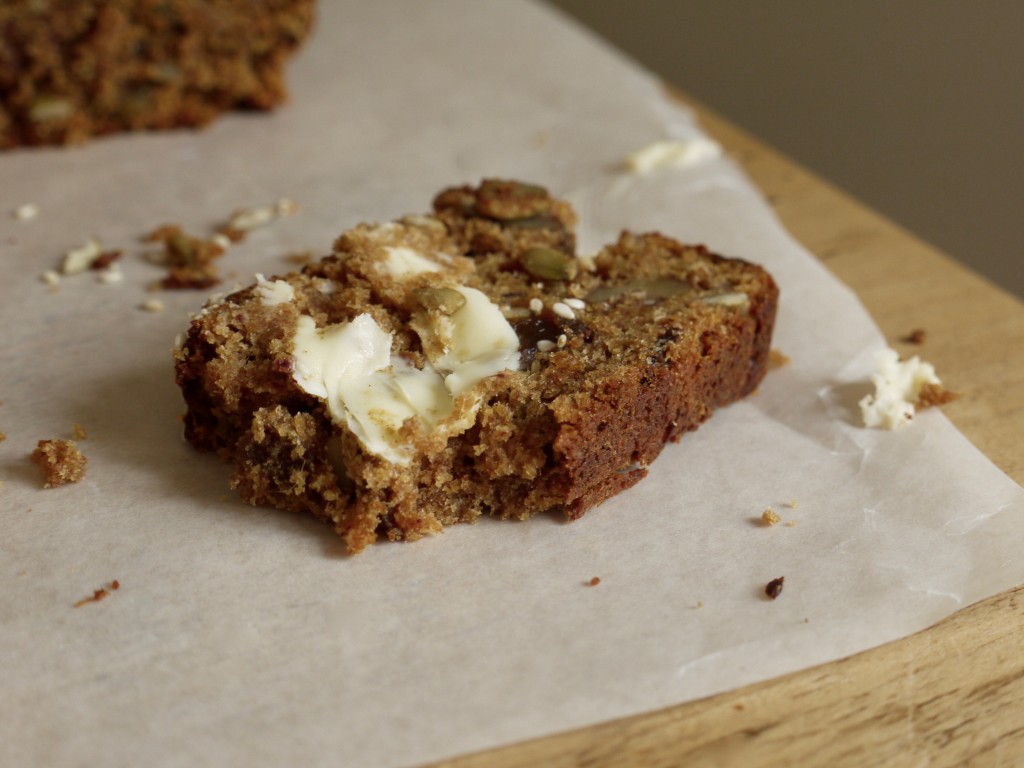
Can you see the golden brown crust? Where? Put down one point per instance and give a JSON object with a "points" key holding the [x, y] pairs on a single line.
{"points": [[662, 334], [70, 69]]}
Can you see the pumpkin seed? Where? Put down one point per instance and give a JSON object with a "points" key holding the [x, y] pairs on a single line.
{"points": [[549, 264], [446, 301]]}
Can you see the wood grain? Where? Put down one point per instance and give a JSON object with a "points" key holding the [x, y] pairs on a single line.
{"points": [[951, 695]]}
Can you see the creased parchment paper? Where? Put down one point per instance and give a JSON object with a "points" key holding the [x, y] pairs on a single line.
{"points": [[246, 636]]}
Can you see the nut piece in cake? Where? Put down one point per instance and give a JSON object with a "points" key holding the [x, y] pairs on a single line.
{"points": [[442, 367]]}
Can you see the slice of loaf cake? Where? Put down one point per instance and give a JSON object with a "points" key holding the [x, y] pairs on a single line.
{"points": [[442, 367], [72, 70]]}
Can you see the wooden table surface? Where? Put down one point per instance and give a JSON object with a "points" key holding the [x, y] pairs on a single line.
{"points": [[948, 696]]}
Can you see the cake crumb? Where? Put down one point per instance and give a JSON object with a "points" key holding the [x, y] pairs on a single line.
{"points": [[791, 523], [105, 258], [594, 581], [78, 432], [698, 605], [189, 260], [99, 594], [2, 436], [916, 336], [777, 359], [774, 587], [61, 462], [770, 517], [934, 395], [300, 258], [792, 503]]}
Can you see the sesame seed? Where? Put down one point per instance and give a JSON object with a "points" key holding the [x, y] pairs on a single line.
{"points": [[110, 276], [152, 305], [51, 277], [536, 305], [576, 303], [286, 207], [26, 212], [221, 240], [562, 340], [252, 218], [80, 259], [544, 345], [563, 310]]}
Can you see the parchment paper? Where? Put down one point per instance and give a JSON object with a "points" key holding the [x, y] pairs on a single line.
{"points": [[244, 635]]}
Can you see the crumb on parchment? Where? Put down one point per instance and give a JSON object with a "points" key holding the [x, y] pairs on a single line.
{"points": [[770, 517], [777, 359], [189, 260], [99, 594], [60, 461], [774, 587]]}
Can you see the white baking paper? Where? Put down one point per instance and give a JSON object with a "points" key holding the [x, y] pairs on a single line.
{"points": [[247, 636]]}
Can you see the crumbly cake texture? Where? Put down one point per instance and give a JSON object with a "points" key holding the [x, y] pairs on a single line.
{"points": [[60, 461], [618, 354], [72, 69]]}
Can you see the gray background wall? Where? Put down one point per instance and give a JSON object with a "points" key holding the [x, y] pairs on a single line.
{"points": [[914, 106]]}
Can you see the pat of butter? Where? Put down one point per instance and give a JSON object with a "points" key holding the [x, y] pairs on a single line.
{"points": [[273, 292], [477, 340], [678, 153], [897, 390], [374, 393], [405, 262]]}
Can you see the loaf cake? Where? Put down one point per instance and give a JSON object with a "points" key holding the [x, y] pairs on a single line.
{"points": [[441, 367], [71, 69]]}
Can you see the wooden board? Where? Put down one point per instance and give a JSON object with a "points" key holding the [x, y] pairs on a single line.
{"points": [[949, 696]]}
